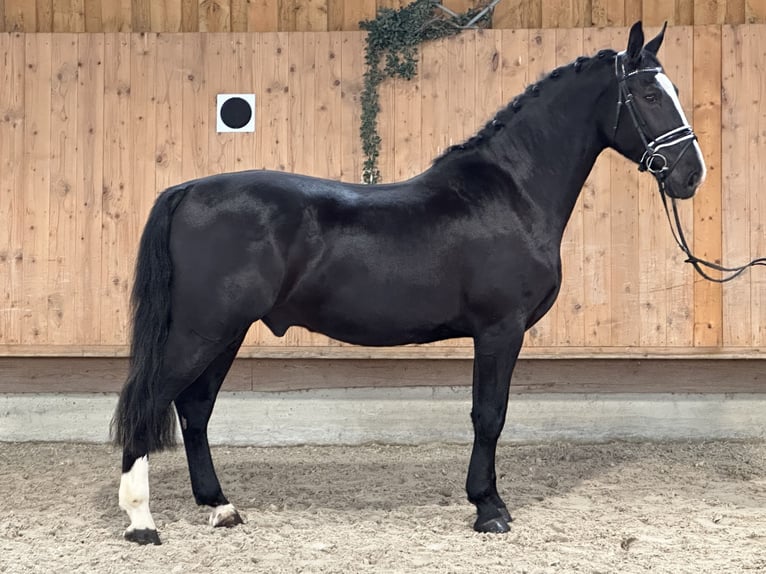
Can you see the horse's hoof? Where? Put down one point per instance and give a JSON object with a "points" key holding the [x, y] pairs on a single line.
{"points": [[497, 525], [505, 514], [143, 536], [225, 516]]}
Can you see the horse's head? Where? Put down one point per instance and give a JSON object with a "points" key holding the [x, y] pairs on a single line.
{"points": [[650, 127]]}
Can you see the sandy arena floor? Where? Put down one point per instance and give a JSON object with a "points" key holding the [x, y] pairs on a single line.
{"points": [[618, 507]]}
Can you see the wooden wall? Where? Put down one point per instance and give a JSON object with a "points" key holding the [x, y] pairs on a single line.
{"points": [[93, 126], [335, 15]]}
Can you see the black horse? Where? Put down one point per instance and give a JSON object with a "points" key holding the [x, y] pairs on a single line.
{"points": [[469, 248]]}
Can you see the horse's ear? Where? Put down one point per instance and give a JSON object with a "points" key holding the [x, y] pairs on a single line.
{"points": [[654, 44], [635, 42]]}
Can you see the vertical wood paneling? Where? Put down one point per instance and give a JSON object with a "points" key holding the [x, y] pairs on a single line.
{"points": [[352, 66], [707, 203], [20, 16], [215, 15], [94, 143], [245, 52], [263, 16], [195, 105], [44, 16], [434, 86], [117, 15], [36, 187], [87, 189], [93, 16], [168, 95], [12, 127], [737, 131], [117, 247], [62, 265], [596, 225], [68, 15], [757, 182], [220, 77]]}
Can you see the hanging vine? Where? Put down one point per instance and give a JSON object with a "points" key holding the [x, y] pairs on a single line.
{"points": [[393, 38]]}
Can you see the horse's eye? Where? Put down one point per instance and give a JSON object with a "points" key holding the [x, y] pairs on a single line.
{"points": [[650, 98]]}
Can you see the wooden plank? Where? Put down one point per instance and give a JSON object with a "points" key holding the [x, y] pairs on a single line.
{"points": [[196, 107], [87, 191], [117, 15], [165, 16], [709, 12], [220, 77], [708, 304], [757, 178], [287, 12], [239, 16], [43, 16], [735, 12], [215, 15], [327, 87], [566, 13], [514, 14], [12, 201], [20, 16], [246, 57], [570, 320], [406, 138], [143, 126], [461, 95], [488, 85], [62, 265], [656, 12], [311, 16], [93, 16], [263, 15], [141, 15], [190, 15], [68, 15], [755, 12], [608, 13], [35, 187], [737, 131], [434, 86], [106, 375], [352, 72], [168, 94], [117, 251], [633, 11], [344, 15], [596, 227]]}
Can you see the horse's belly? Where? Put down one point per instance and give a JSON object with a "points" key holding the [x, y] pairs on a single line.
{"points": [[369, 320]]}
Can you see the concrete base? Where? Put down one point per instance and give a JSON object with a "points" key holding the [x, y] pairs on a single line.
{"points": [[406, 416]]}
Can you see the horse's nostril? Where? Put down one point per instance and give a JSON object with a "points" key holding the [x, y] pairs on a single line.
{"points": [[694, 179]]}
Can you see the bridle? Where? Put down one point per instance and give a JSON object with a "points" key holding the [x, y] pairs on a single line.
{"points": [[653, 160], [656, 163]]}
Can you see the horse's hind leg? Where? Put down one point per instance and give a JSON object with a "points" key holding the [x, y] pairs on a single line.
{"points": [[194, 406], [186, 356], [495, 357]]}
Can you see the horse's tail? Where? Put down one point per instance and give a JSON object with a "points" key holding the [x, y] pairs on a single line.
{"points": [[139, 422]]}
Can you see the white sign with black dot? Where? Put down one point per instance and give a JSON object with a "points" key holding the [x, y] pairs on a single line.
{"points": [[236, 113]]}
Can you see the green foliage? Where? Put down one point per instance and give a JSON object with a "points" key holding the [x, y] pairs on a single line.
{"points": [[393, 39]]}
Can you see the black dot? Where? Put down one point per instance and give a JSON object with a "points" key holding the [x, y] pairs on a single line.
{"points": [[236, 113]]}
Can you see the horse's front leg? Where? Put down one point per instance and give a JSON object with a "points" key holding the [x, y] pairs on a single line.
{"points": [[496, 352]]}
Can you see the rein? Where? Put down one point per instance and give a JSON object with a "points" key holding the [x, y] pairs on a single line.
{"points": [[657, 164]]}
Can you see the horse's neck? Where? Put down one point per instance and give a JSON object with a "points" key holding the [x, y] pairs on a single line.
{"points": [[550, 149]]}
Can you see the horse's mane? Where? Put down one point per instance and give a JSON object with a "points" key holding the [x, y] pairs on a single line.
{"points": [[505, 115]]}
